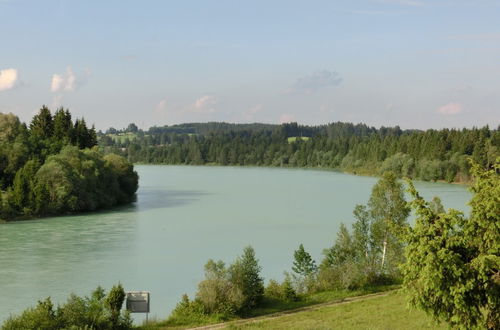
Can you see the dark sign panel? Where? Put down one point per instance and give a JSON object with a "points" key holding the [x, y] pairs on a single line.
{"points": [[138, 301]]}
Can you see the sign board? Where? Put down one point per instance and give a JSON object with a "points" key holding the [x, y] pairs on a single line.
{"points": [[137, 301]]}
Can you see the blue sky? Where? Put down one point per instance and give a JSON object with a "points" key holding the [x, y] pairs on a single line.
{"points": [[413, 63]]}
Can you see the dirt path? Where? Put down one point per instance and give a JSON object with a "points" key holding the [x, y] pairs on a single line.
{"points": [[294, 311]]}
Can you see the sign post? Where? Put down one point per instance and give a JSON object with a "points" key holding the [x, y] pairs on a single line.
{"points": [[138, 302]]}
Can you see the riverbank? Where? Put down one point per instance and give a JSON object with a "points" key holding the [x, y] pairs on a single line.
{"points": [[272, 308], [361, 173]]}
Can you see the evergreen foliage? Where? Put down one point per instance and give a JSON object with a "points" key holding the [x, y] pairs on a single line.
{"points": [[453, 262], [304, 270], [54, 168], [426, 155], [303, 264], [244, 273]]}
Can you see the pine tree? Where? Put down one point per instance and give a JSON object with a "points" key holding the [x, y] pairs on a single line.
{"points": [[63, 125], [452, 270], [244, 273], [114, 302], [303, 264], [42, 126]]}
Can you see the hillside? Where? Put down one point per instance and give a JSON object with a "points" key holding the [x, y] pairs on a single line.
{"points": [[380, 311]]}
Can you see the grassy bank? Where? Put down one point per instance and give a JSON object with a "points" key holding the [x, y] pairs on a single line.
{"points": [[269, 307], [383, 312]]}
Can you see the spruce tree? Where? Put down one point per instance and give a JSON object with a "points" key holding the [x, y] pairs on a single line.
{"points": [[452, 270], [303, 264], [244, 273]]}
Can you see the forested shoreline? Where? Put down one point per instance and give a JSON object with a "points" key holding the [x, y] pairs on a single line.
{"points": [[53, 166], [430, 155]]}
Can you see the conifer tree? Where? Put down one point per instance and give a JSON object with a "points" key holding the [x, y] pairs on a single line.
{"points": [[303, 264], [244, 273], [452, 270]]}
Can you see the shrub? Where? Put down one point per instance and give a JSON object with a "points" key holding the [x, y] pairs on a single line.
{"points": [[96, 312], [41, 317], [226, 292], [283, 292], [217, 293], [187, 312]]}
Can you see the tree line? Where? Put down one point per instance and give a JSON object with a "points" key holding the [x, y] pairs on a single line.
{"points": [[53, 166], [426, 155]]}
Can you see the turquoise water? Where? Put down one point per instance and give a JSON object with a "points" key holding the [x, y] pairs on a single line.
{"points": [[183, 217]]}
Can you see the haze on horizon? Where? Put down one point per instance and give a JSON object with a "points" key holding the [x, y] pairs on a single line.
{"points": [[412, 63]]}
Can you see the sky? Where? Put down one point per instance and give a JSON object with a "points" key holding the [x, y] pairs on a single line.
{"points": [[413, 63]]}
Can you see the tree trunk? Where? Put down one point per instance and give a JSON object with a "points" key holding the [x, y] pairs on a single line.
{"points": [[384, 252]]}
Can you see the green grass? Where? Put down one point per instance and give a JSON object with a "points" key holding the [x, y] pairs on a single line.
{"points": [[272, 306], [269, 306], [295, 138], [385, 312], [169, 324]]}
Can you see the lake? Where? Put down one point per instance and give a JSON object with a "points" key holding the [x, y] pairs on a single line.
{"points": [[185, 215]]}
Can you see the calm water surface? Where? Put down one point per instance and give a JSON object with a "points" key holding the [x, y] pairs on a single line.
{"points": [[184, 216]]}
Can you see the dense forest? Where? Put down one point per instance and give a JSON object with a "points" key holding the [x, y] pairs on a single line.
{"points": [[53, 166], [426, 155]]}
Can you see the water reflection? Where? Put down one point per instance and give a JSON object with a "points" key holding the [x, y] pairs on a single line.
{"points": [[156, 198]]}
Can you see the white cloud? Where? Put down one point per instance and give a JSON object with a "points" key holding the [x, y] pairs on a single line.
{"points": [[314, 82], [205, 102], [250, 113], [451, 108], [8, 79], [201, 107], [287, 118], [57, 82], [66, 82]]}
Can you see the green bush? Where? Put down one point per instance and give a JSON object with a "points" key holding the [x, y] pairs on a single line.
{"points": [[283, 292], [42, 317], [217, 294], [188, 312], [95, 312], [225, 292]]}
